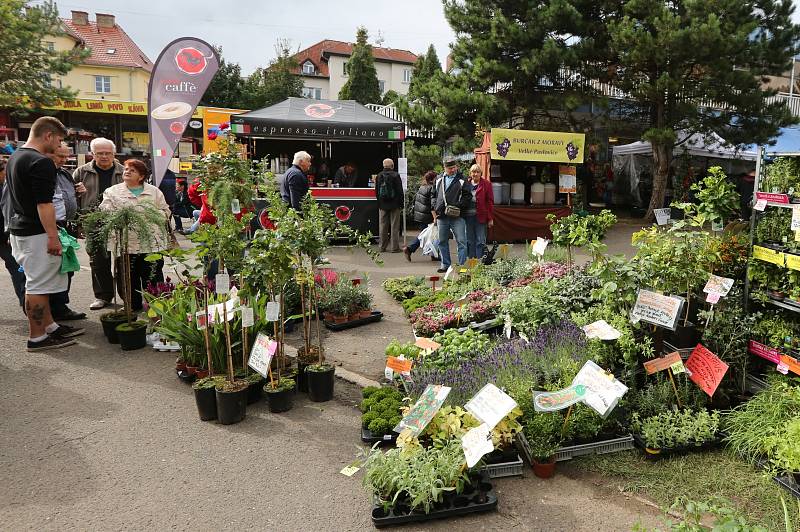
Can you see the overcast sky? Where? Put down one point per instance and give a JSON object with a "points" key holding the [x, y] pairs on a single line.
{"points": [[247, 29]]}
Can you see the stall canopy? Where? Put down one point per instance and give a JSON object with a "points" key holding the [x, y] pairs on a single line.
{"points": [[297, 118], [630, 161], [697, 145]]}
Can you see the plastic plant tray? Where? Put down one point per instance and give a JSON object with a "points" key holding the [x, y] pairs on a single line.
{"points": [[386, 439], [613, 445], [684, 352], [676, 451], [505, 469], [754, 384], [376, 316], [466, 503], [788, 484]]}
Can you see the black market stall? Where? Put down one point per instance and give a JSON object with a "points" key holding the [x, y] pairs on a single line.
{"points": [[335, 133]]}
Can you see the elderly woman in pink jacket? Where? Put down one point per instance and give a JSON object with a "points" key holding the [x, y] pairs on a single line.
{"points": [[134, 191]]}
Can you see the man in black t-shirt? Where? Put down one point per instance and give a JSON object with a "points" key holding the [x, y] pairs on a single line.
{"points": [[31, 182]]}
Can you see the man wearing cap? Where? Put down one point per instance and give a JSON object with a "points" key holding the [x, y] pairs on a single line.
{"points": [[451, 196]]}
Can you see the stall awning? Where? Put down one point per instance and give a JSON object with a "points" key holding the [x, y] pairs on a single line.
{"points": [[697, 145], [302, 118]]}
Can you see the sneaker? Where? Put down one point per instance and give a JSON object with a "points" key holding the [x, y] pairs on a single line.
{"points": [[69, 315], [97, 304], [441, 270], [65, 331], [407, 253], [51, 342]]}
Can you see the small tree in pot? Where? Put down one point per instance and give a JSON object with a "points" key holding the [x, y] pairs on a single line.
{"points": [[113, 229]]}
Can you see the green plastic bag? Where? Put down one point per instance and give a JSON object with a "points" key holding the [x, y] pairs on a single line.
{"points": [[69, 259]]}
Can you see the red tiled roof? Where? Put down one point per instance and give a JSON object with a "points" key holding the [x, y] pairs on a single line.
{"points": [[99, 40], [318, 54]]}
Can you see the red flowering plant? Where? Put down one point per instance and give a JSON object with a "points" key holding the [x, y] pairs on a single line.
{"points": [[541, 272], [435, 317]]}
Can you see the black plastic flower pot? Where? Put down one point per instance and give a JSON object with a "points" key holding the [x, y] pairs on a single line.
{"points": [[685, 336], [254, 391], [320, 384], [278, 401], [302, 379], [132, 337], [109, 323], [206, 400], [231, 405]]}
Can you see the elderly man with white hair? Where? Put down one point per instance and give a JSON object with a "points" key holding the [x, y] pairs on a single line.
{"points": [[92, 179], [294, 186]]}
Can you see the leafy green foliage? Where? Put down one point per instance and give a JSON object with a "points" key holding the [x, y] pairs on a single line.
{"points": [[782, 175], [27, 64], [718, 199], [755, 427], [578, 230], [658, 396], [279, 385], [381, 409], [629, 350], [227, 86], [774, 225], [456, 347], [677, 428], [362, 78], [402, 288], [408, 349]]}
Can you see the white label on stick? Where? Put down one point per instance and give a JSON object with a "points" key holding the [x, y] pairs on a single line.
{"points": [[795, 218], [235, 208], [490, 405], [222, 284], [760, 205], [248, 320], [273, 311], [476, 443], [539, 246], [261, 354]]}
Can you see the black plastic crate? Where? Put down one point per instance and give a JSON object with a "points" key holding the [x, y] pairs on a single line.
{"points": [[376, 316], [385, 439], [466, 503]]}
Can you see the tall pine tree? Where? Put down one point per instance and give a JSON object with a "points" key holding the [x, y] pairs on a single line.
{"points": [[26, 63], [698, 67], [362, 78]]}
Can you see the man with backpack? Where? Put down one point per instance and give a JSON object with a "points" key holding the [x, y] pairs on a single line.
{"points": [[452, 195], [389, 191]]}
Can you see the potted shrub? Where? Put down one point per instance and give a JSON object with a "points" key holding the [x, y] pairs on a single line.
{"points": [[543, 431], [113, 229], [676, 431], [279, 394], [380, 409], [205, 397]]}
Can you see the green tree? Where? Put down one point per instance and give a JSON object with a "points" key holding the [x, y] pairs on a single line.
{"points": [[26, 62], [362, 78], [425, 68], [271, 85], [227, 87], [698, 66]]}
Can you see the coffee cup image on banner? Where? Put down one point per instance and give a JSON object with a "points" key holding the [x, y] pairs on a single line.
{"points": [[170, 111]]}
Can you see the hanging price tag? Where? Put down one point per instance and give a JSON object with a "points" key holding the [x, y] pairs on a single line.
{"points": [[795, 218], [678, 367], [273, 311], [783, 368], [248, 320], [201, 319], [235, 207], [760, 205], [222, 284]]}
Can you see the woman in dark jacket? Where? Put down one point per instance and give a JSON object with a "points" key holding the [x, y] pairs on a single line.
{"points": [[422, 211]]}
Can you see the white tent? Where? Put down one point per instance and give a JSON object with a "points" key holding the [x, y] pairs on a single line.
{"points": [[697, 145], [630, 160]]}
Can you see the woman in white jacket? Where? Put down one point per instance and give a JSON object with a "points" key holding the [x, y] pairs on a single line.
{"points": [[134, 191]]}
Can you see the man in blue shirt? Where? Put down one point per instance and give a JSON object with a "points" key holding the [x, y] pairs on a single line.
{"points": [[294, 186]]}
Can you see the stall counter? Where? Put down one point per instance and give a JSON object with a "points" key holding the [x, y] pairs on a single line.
{"points": [[523, 223], [357, 207]]}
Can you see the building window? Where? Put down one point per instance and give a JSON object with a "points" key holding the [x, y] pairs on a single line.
{"points": [[406, 75], [102, 84], [382, 86], [308, 68], [51, 46], [344, 69], [314, 93]]}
